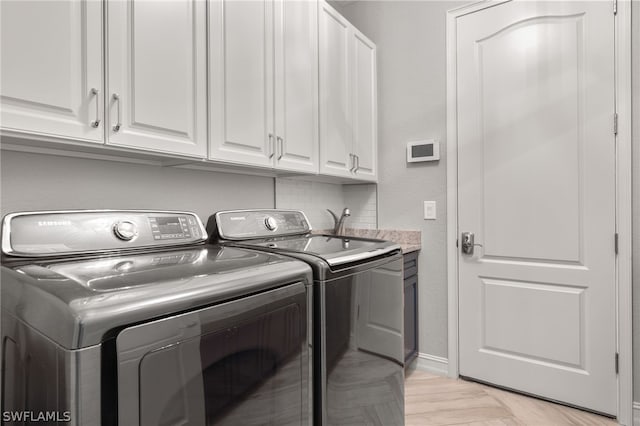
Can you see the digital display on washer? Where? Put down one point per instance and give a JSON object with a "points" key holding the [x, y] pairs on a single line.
{"points": [[169, 227]]}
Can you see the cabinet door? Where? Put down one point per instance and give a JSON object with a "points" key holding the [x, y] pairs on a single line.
{"points": [[51, 68], [241, 81], [410, 319], [336, 136], [296, 89], [156, 74], [364, 107]]}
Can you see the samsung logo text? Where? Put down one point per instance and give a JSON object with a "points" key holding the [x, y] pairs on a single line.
{"points": [[54, 223]]}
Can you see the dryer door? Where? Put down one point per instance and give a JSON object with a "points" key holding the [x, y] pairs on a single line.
{"points": [[241, 362]]}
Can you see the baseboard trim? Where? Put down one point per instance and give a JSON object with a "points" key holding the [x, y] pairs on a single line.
{"points": [[433, 364], [636, 413]]}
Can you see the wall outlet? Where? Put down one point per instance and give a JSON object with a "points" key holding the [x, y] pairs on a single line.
{"points": [[429, 210]]}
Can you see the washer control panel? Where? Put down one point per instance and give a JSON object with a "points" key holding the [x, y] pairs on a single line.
{"points": [[250, 224], [34, 234]]}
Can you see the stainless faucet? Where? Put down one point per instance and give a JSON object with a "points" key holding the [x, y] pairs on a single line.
{"points": [[339, 223]]}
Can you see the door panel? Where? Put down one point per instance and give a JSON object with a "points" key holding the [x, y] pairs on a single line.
{"points": [[537, 186], [157, 68], [513, 324], [51, 61], [410, 319], [336, 133], [241, 79], [296, 70], [536, 126], [365, 107]]}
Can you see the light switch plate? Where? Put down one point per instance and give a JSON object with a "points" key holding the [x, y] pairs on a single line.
{"points": [[429, 210]]}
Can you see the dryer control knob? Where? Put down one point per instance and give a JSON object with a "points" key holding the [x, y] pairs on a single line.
{"points": [[270, 223], [125, 230]]}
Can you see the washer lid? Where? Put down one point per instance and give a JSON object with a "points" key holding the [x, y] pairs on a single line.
{"points": [[334, 250], [81, 303], [288, 231]]}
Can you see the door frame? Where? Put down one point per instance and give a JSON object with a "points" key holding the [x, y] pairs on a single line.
{"points": [[622, 37]]}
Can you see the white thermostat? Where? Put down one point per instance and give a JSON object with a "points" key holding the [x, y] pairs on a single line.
{"points": [[426, 150]]}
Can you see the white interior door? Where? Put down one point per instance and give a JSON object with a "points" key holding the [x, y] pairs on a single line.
{"points": [[537, 187]]}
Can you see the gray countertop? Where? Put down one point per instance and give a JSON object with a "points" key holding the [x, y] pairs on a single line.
{"points": [[409, 241]]}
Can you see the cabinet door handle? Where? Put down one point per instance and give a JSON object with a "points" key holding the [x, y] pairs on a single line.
{"points": [[352, 162], [280, 147], [95, 92], [116, 99], [357, 162], [271, 153]]}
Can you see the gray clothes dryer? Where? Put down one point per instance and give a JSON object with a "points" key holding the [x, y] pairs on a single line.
{"points": [[358, 320], [129, 318]]}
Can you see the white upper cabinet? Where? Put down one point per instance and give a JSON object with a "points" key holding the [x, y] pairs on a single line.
{"points": [[365, 110], [51, 69], [296, 85], [156, 75], [348, 108], [279, 84], [336, 133], [263, 83], [241, 81]]}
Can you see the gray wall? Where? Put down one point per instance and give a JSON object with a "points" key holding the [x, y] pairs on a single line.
{"points": [[410, 36], [36, 182]]}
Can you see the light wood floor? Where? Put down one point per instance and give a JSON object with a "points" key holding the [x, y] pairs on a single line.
{"points": [[435, 400]]}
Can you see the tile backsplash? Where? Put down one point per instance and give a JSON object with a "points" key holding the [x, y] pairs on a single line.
{"points": [[314, 198], [363, 202]]}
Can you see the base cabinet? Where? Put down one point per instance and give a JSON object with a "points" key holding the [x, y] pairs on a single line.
{"points": [[410, 307]]}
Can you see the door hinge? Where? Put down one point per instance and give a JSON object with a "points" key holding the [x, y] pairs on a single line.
{"points": [[615, 123], [617, 363], [615, 242], [615, 7], [456, 243]]}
